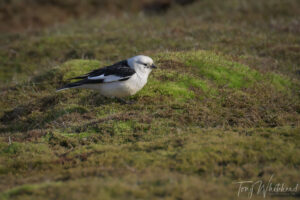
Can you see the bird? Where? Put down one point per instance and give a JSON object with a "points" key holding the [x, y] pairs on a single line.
{"points": [[121, 79]]}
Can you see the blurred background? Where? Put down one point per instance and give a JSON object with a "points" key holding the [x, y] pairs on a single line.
{"points": [[38, 34], [30, 14], [16, 15]]}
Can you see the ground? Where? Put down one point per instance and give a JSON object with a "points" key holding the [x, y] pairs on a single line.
{"points": [[222, 107]]}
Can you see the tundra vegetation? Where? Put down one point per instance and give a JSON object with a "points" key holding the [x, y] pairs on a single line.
{"points": [[222, 107]]}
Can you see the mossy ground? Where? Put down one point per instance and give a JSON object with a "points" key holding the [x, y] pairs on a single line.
{"points": [[223, 106]]}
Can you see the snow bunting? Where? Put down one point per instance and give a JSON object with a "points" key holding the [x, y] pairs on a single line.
{"points": [[124, 78]]}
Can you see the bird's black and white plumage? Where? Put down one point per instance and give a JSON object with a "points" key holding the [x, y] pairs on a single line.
{"points": [[121, 79]]}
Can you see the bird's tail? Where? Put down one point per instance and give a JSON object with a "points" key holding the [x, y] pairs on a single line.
{"points": [[69, 85]]}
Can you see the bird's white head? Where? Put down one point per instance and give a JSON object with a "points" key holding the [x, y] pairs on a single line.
{"points": [[143, 65]]}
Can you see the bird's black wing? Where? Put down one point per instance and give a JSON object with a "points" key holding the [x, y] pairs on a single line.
{"points": [[120, 71]]}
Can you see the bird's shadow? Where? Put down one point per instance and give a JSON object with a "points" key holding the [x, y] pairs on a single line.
{"points": [[95, 99], [20, 117]]}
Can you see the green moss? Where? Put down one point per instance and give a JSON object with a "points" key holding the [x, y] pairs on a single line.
{"points": [[106, 110], [82, 135], [25, 156], [75, 108], [26, 190], [198, 83], [74, 68], [280, 82], [10, 149], [178, 86], [224, 72], [219, 69], [123, 127], [21, 148], [177, 90]]}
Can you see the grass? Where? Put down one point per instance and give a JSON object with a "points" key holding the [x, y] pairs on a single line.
{"points": [[223, 106]]}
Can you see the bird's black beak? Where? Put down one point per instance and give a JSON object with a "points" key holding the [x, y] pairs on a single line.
{"points": [[153, 66]]}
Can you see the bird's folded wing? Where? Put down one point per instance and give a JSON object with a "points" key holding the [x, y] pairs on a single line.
{"points": [[107, 79], [117, 72]]}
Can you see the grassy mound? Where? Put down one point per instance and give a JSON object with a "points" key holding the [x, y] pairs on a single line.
{"points": [[197, 84], [202, 120]]}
